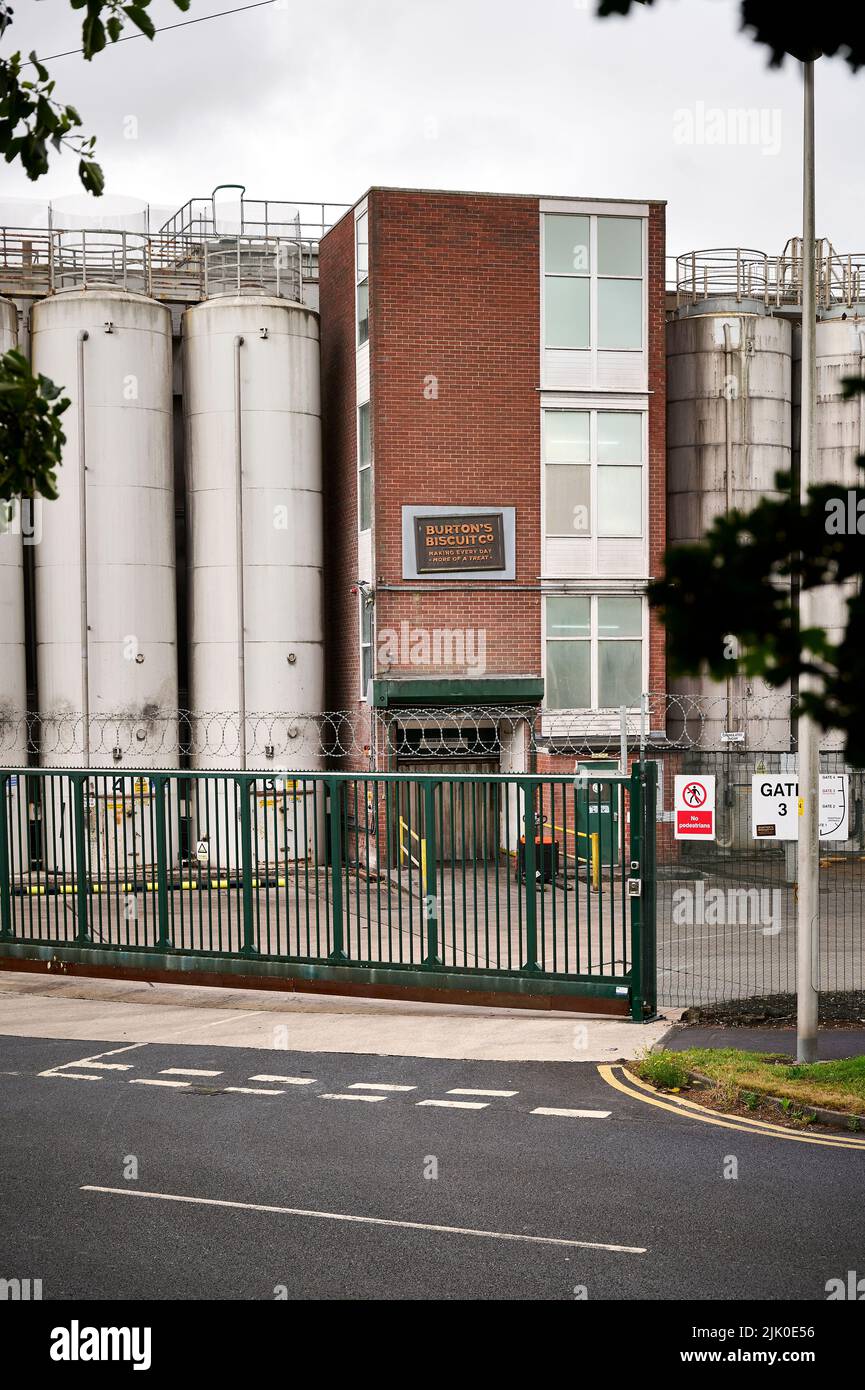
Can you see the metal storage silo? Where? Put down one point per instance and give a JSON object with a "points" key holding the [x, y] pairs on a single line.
{"points": [[13, 661], [840, 428], [13, 668], [253, 464], [104, 570], [728, 434]]}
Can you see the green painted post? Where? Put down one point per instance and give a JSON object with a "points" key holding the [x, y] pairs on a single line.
{"points": [[530, 872], [160, 788], [337, 955], [649, 898], [430, 901], [634, 870], [244, 786], [79, 783], [6, 932]]}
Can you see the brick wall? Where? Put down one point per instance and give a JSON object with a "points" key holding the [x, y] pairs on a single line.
{"points": [[455, 323]]}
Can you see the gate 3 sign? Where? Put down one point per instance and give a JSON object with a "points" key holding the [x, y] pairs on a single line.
{"points": [[695, 807], [775, 806]]}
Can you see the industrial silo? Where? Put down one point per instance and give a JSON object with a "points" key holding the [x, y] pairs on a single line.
{"points": [[728, 434], [253, 473], [840, 436], [104, 570], [16, 524]]}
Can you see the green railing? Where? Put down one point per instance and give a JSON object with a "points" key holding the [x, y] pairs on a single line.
{"points": [[309, 876]]}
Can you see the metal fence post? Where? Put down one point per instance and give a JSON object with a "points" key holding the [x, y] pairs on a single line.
{"points": [[529, 873], [82, 888], [428, 859], [5, 874], [649, 895], [633, 871], [337, 955], [244, 785], [160, 787]]}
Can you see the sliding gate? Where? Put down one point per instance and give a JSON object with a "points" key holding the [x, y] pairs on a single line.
{"points": [[516, 889]]}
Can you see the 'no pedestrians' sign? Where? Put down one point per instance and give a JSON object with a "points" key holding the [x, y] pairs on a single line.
{"points": [[695, 807]]}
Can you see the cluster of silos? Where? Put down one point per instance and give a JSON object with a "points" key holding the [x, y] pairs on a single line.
{"points": [[104, 580], [252, 408]]}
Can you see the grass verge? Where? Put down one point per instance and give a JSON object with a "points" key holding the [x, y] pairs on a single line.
{"points": [[745, 1078]]}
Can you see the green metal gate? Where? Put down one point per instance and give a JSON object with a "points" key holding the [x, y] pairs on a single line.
{"points": [[338, 879]]}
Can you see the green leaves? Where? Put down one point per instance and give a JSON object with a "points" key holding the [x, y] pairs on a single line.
{"points": [[32, 120], [31, 436]]}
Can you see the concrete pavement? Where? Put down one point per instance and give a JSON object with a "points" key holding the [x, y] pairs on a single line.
{"points": [[127, 1011]]}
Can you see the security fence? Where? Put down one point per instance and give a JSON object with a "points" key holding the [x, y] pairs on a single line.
{"points": [[525, 889], [726, 906]]}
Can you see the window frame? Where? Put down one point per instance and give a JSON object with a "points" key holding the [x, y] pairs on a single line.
{"points": [[365, 647], [364, 467], [361, 275], [594, 276], [593, 533], [593, 639]]}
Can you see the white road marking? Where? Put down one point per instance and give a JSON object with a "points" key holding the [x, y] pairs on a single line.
{"points": [[378, 1086], [473, 1092], [108, 1066], [74, 1075], [572, 1114], [60, 1067], [336, 1095], [142, 1081], [286, 1080], [187, 1071], [457, 1104], [252, 1091], [366, 1220]]}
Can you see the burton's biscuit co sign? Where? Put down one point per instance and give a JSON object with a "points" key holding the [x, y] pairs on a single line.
{"points": [[448, 543]]}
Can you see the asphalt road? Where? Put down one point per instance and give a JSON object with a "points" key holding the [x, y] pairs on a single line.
{"points": [[73, 1214]]}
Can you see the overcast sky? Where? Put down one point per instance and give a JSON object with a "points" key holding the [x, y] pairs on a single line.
{"points": [[319, 99]]}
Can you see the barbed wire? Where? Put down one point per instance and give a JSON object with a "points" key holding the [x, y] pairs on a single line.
{"points": [[280, 739]]}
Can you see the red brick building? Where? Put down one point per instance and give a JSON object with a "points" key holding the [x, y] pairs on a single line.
{"points": [[493, 404]]}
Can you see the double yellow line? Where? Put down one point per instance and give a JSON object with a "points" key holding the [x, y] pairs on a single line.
{"points": [[688, 1109]]}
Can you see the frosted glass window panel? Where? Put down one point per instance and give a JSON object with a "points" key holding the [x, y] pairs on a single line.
{"points": [[567, 436], [620, 436], [569, 617], [568, 500], [566, 312], [620, 246], [619, 674], [365, 480], [362, 313], [363, 432], [620, 501], [620, 617], [620, 314], [566, 245], [568, 683], [362, 232]]}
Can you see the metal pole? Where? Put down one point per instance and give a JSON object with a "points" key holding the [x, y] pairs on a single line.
{"points": [[238, 518], [808, 869], [84, 634], [623, 739]]}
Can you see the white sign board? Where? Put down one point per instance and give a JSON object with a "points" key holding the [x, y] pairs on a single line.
{"points": [[202, 851], [694, 807], [775, 806]]}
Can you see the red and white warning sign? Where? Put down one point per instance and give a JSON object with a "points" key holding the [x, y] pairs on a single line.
{"points": [[695, 807]]}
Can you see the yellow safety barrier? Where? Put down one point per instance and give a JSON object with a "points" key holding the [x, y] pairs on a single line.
{"points": [[595, 851], [404, 853]]}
